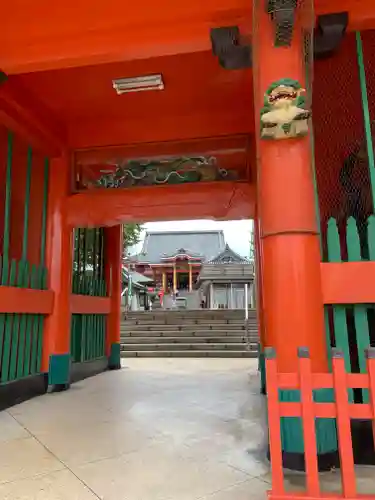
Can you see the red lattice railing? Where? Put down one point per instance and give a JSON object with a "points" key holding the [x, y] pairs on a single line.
{"points": [[341, 409]]}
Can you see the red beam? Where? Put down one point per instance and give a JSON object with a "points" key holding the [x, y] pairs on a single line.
{"points": [[36, 38], [27, 116], [215, 200], [25, 300], [348, 282], [86, 304]]}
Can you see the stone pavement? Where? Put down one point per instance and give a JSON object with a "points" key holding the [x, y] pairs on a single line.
{"points": [[181, 429]]}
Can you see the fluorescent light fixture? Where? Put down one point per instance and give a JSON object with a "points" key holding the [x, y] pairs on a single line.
{"points": [[138, 84]]}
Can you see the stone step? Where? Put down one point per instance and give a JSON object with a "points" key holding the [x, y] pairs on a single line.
{"points": [[173, 322], [196, 312], [172, 316], [188, 333], [190, 354], [189, 326], [180, 326], [186, 339], [182, 346]]}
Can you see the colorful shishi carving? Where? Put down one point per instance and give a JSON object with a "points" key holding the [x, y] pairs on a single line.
{"points": [[284, 115]]}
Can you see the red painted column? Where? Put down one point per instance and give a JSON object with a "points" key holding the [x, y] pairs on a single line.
{"points": [[113, 240], [59, 247], [292, 294], [259, 278], [293, 314]]}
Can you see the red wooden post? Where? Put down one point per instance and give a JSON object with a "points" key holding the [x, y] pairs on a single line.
{"points": [[308, 422], [343, 425], [274, 422], [113, 272], [59, 247]]}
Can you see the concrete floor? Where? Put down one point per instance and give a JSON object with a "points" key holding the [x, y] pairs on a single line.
{"points": [[181, 429]]}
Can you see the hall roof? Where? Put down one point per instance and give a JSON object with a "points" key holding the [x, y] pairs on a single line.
{"points": [[159, 246], [228, 256]]}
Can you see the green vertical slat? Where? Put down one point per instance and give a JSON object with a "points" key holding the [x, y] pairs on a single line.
{"points": [[100, 334], [339, 312], [26, 215], [42, 283], [79, 255], [17, 342], [8, 329], [366, 114], [99, 328], [328, 338], [360, 311], [23, 325], [44, 212], [83, 338], [90, 336], [34, 331], [34, 346], [105, 332], [84, 250], [29, 331], [101, 253], [95, 255], [7, 207]]}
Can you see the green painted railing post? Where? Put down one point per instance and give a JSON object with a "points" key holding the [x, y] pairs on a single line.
{"points": [[44, 213], [339, 312], [360, 311], [26, 215], [366, 114]]}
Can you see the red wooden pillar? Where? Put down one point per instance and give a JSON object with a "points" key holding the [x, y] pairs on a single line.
{"points": [[59, 248], [292, 295], [259, 277], [113, 272], [291, 283]]}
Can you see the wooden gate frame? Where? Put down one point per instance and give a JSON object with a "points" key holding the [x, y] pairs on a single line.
{"points": [[306, 382]]}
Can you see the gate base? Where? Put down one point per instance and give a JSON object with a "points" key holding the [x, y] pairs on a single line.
{"points": [[19, 391], [296, 461], [86, 369]]}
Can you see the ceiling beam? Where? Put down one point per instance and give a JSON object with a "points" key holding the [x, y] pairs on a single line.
{"points": [[101, 133]]}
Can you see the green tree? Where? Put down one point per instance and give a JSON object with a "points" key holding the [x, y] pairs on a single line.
{"points": [[89, 246], [131, 234]]}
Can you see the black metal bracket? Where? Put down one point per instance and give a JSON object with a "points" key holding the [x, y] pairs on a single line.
{"points": [[329, 33], [3, 77], [227, 47], [282, 13]]}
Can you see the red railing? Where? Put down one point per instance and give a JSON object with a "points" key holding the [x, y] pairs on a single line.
{"points": [[306, 382]]}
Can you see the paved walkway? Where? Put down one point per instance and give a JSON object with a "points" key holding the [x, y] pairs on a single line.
{"points": [[158, 429]]}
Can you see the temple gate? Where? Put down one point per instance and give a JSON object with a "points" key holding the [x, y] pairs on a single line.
{"points": [[278, 129]]}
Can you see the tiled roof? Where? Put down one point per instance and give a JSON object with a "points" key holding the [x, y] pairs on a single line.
{"points": [[228, 256], [158, 245]]}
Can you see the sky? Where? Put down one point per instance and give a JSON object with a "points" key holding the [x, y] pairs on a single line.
{"points": [[237, 233]]}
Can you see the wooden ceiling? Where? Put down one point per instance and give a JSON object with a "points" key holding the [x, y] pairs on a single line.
{"points": [[200, 99]]}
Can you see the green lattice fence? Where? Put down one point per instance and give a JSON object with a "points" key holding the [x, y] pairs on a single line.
{"points": [[88, 331], [351, 328], [24, 173]]}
